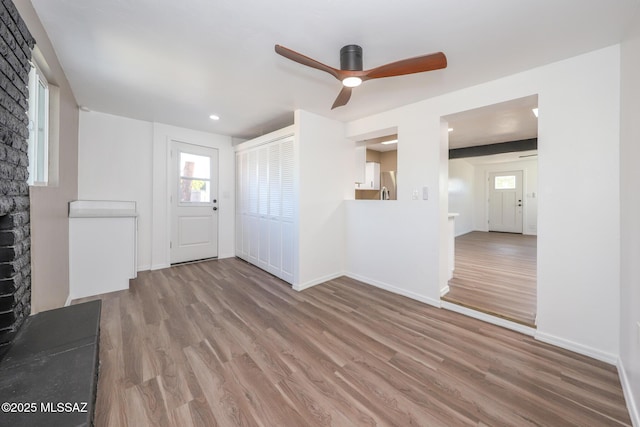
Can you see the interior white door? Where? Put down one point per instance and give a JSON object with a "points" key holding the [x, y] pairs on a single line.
{"points": [[194, 202], [505, 201]]}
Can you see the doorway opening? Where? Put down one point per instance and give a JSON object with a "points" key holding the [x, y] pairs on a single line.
{"points": [[493, 201], [378, 158]]}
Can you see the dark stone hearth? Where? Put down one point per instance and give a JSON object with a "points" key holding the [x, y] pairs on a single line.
{"points": [[54, 358]]}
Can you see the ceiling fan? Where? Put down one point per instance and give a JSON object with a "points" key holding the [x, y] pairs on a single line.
{"points": [[351, 73]]}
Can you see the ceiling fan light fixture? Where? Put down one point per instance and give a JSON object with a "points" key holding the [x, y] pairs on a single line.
{"points": [[214, 117], [352, 81]]}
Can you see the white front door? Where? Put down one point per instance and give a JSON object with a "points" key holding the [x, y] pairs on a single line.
{"points": [[194, 202], [505, 201]]}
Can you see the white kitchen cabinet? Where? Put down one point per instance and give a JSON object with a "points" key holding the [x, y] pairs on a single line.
{"points": [[371, 177]]}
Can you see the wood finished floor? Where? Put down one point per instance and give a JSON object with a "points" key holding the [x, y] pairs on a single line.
{"points": [[496, 273], [223, 343]]}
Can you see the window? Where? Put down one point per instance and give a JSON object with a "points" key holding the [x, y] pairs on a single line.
{"points": [[38, 128], [195, 178], [506, 182]]}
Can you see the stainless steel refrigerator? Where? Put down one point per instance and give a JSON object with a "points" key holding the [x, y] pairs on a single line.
{"points": [[388, 185]]}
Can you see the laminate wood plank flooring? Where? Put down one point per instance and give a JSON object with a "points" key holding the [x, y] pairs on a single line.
{"points": [[496, 273], [222, 343]]}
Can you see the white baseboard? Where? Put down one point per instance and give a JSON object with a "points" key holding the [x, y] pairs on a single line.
{"points": [[315, 282], [144, 267], [68, 301], [603, 356], [628, 395], [160, 266], [498, 321], [395, 290], [444, 291]]}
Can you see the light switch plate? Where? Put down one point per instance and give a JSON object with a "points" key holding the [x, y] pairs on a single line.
{"points": [[425, 193]]}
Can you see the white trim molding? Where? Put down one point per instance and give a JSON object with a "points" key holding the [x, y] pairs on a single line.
{"points": [[444, 291], [628, 395], [315, 282], [498, 321], [603, 356], [395, 290]]}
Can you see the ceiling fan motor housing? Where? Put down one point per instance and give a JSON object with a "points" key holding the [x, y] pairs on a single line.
{"points": [[351, 58]]}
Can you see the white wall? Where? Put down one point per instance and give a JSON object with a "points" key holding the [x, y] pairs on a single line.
{"points": [[114, 163], [461, 191], [629, 224], [49, 205], [578, 233], [127, 159], [325, 161], [529, 170]]}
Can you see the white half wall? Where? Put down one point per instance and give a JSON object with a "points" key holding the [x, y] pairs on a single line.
{"points": [[126, 159], [578, 231], [325, 162], [629, 224]]}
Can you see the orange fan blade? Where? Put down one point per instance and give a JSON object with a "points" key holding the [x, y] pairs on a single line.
{"points": [[305, 60], [418, 64], [343, 97]]}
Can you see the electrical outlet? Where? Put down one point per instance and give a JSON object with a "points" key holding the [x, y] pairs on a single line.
{"points": [[415, 194]]}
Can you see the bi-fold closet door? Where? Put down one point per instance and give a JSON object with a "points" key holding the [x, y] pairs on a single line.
{"points": [[265, 207]]}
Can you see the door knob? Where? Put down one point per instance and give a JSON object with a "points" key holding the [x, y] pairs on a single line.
{"points": [[214, 201], [215, 208]]}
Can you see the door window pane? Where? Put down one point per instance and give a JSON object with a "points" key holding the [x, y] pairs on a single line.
{"points": [[195, 178], [507, 182], [195, 166]]}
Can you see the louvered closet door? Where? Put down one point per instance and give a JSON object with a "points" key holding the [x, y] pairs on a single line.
{"points": [[263, 207], [239, 205], [252, 211], [275, 211], [266, 211], [287, 162]]}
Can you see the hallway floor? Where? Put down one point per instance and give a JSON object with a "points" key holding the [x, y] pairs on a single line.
{"points": [[496, 273]]}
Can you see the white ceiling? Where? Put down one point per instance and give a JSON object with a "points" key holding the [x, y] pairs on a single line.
{"points": [[177, 62], [507, 121]]}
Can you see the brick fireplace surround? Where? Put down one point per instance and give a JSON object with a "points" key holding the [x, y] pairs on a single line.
{"points": [[16, 44]]}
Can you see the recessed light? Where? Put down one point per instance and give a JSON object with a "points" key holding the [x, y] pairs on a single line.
{"points": [[214, 117], [535, 111], [393, 141], [450, 129]]}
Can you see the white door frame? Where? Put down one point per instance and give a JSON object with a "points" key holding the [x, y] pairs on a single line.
{"points": [[168, 190]]}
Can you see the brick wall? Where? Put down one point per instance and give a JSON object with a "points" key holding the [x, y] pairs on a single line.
{"points": [[16, 44]]}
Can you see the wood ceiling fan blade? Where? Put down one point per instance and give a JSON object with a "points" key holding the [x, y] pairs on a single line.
{"points": [[305, 60], [343, 97], [418, 64]]}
